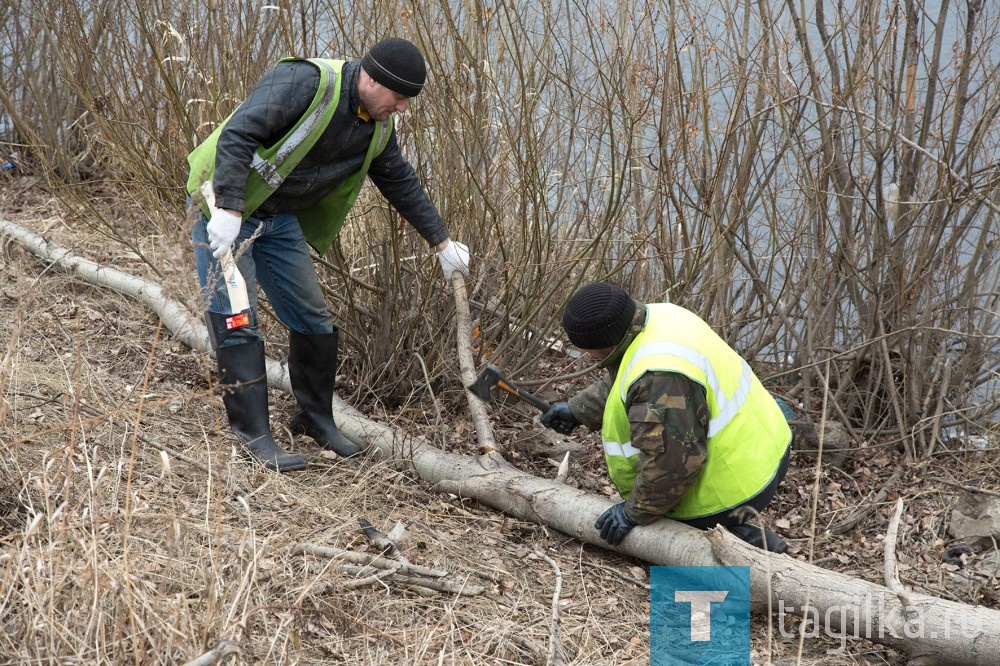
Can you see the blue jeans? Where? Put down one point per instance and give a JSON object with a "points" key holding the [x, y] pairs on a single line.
{"points": [[279, 261]]}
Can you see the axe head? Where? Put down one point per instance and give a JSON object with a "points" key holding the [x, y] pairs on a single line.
{"points": [[487, 379], [222, 324]]}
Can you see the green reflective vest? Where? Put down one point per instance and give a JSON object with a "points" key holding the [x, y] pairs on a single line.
{"points": [[270, 166], [747, 432]]}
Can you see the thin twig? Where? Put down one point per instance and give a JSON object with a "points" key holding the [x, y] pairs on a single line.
{"points": [[366, 574], [430, 389], [554, 630], [162, 448], [536, 651], [962, 486], [825, 560], [367, 580], [366, 559], [862, 510], [221, 650], [942, 391], [813, 507], [440, 585], [435, 584], [941, 163], [617, 574]]}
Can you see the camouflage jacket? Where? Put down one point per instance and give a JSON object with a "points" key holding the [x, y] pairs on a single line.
{"points": [[668, 416]]}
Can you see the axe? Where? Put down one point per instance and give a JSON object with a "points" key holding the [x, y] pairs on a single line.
{"points": [[222, 324], [490, 376]]}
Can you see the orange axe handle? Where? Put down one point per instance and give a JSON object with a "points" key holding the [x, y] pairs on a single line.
{"points": [[490, 376]]}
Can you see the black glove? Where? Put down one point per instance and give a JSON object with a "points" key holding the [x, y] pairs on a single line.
{"points": [[560, 418], [615, 524]]}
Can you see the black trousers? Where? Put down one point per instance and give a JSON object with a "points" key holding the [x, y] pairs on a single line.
{"points": [[758, 501]]}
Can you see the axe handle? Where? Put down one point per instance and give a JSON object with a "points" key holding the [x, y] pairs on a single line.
{"points": [[524, 395], [236, 286]]}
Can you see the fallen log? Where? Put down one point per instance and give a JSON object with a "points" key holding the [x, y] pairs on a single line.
{"points": [[931, 630]]}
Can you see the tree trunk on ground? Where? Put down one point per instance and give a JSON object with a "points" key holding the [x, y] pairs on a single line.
{"points": [[929, 629]]}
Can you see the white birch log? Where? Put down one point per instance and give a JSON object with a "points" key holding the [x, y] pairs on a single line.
{"points": [[929, 629]]}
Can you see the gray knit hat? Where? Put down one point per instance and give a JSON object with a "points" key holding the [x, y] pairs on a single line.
{"points": [[598, 316], [397, 64]]}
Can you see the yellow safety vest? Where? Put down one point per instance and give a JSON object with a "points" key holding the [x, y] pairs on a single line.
{"points": [[747, 432], [322, 222]]}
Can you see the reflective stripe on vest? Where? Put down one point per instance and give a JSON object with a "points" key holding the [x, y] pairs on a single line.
{"points": [[624, 449], [267, 170], [728, 406]]}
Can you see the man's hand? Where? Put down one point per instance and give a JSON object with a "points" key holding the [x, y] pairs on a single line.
{"points": [[223, 228], [560, 418], [454, 256], [614, 524]]}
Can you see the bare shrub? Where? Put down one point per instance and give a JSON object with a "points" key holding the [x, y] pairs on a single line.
{"points": [[735, 162]]}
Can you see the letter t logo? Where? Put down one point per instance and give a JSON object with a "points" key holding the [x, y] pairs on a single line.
{"points": [[701, 610]]}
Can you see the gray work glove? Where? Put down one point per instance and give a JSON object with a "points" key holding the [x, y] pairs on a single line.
{"points": [[560, 418], [614, 524]]}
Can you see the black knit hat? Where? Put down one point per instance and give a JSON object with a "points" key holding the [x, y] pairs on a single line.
{"points": [[397, 64], [598, 316]]}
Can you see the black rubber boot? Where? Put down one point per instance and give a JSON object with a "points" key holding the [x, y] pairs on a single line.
{"points": [[752, 535], [243, 379], [312, 369]]}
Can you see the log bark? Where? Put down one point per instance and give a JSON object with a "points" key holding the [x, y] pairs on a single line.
{"points": [[931, 630], [477, 409], [928, 629]]}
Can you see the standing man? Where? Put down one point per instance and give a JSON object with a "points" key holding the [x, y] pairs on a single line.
{"points": [[689, 431], [286, 167]]}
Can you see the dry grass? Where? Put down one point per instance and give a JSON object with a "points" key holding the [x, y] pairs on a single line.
{"points": [[113, 552]]}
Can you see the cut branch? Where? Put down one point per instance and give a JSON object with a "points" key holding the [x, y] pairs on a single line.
{"points": [[366, 559], [373, 569], [221, 650], [477, 408], [889, 550]]}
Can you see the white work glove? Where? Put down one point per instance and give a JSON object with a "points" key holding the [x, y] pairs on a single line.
{"points": [[223, 229], [454, 257]]}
